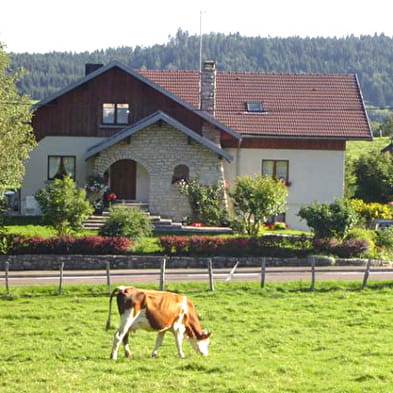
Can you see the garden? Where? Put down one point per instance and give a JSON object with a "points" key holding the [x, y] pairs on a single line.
{"points": [[344, 228]]}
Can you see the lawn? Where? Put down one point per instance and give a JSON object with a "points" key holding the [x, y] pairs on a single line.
{"points": [[280, 339]]}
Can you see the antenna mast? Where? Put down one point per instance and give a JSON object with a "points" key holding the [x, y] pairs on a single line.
{"points": [[200, 41]]}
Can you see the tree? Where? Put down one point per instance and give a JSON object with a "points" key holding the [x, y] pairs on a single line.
{"points": [[255, 199], [16, 133], [374, 177], [64, 205]]}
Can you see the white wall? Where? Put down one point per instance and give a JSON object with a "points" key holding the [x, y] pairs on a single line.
{"points": [[36, 174], [315, 175]]}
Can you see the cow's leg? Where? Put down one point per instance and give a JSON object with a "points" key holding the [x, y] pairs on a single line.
{"points": [[159, 339], [127, 351], [125, 323], [179, 335]]}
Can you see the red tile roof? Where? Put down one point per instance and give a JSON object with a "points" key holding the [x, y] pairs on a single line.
{"points": [[295, 105]]}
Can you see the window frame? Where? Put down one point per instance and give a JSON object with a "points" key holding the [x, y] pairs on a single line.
{"points": [[73, 176], [250, 109], [115, 117], [274, 174]]}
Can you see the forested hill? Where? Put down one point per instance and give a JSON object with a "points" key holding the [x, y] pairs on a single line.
{"points": [[371, 57]]}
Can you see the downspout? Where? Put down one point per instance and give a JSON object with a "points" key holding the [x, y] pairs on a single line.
{"points": [[238, 157]]}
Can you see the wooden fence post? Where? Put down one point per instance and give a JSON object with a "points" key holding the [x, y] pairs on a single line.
{"points": [[366, 274], [211, 280], [232, 272], [61, 278], [108, 276], [312, 261], [263, 272], [162, 274], [7, 268]]}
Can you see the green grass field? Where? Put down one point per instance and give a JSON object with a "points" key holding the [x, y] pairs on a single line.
{"points": [[282, 339], [356, 148]]}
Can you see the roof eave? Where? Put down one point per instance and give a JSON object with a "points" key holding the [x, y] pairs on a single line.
{"points": [[202, 114], [146, 122]]}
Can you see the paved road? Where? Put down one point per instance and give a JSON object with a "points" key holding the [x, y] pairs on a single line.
{"points": [[138, 275]]}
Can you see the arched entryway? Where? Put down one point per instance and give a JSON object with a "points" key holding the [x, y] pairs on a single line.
{"points": [[123, 179]]}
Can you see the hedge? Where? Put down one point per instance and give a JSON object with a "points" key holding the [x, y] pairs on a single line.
{"points": [[93, 245], [271, 246]]}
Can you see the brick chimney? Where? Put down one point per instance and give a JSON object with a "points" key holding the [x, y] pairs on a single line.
{"points": [[208, 87], [90, 67]]}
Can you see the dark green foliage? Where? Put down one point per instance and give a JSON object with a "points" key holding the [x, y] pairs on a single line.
{"points": [[129, 222], [374, 177], [206, 201], [63, 205], [384, 238], [386, 127], [370, 57], [332, 220]]}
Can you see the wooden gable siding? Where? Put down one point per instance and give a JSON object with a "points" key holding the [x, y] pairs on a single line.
{"points": [[79, 111]]}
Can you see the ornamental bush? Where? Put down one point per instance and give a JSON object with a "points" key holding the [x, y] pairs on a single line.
{"points": [[255, 199], [64, 205], [368, 212], [332, 220], [126, 221], [94, 245], [206, 201], [351, 248]]}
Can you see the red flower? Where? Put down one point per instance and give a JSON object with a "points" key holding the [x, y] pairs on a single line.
{"points": [[111, 196]]}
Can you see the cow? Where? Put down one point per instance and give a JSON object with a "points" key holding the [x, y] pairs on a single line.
{"points": [[158, 311]]}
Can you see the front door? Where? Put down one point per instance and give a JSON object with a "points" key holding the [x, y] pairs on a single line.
{"points": [[123, 179]]}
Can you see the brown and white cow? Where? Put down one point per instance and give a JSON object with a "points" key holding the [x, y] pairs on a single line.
{"points": [[158, 311]]}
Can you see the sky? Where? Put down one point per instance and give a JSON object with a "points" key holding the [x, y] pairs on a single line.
{"points": [[40, 26]]}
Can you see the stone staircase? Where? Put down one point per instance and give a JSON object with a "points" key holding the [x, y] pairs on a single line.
{"points": [[159, 224]]}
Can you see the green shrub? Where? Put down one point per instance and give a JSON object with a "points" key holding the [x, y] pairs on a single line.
{"points": [[366, 234], [384, 238], [64, 205], [206, 201], [332, 220], [255, 199], [126, 221]]}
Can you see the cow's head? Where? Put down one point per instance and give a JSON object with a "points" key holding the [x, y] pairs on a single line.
{"points": [[201, 343]]}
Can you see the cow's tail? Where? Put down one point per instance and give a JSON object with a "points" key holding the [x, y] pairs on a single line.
{"points": [[116, 291]]}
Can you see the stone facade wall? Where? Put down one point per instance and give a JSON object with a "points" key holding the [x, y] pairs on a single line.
{"points": [[95, 262], [160, 148]]}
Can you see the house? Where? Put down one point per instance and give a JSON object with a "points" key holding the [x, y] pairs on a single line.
{"points": [[144, 129]]}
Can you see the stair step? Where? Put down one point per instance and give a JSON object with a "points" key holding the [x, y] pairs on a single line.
{"points": [[159, 224]]}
